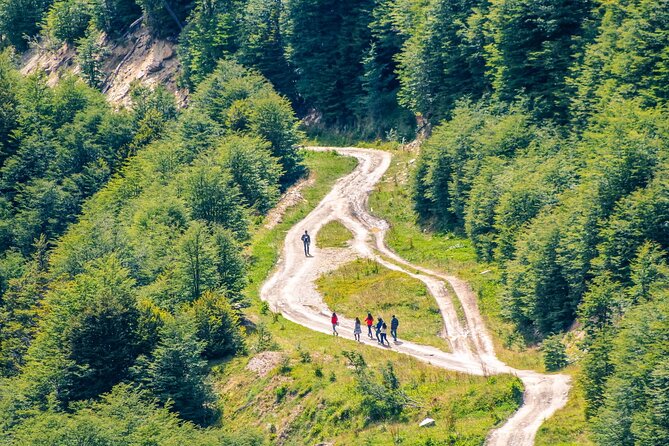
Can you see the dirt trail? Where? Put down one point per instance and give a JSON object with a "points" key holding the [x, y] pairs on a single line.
{"points": [[292, 292]]}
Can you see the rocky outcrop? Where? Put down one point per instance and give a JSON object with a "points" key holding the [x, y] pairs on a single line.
{"points": [[137, 57]]}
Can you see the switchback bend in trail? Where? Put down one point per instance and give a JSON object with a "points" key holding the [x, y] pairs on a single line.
{"points": [[291, 291]]}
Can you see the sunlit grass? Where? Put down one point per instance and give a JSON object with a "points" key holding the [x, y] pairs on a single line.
{"points": [[568, 427], [365, 286], [448, 253], [333, 235]]}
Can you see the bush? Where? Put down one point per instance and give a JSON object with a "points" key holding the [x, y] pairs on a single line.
{"points": [[217, 325], [67, 20], [555, 356]]}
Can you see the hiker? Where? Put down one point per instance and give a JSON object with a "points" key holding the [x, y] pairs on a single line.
{"points": [[307, 241], [379, 324], [370, 322], [394, 323], [335, 322], [384, 336], [357, 330]]}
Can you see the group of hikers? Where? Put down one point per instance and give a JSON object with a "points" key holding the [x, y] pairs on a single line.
{"points": [[380, 332]]}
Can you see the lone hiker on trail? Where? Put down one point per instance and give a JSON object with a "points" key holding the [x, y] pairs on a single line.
{"points": [[307, 241], [370, 321], [394, 323], [335, 322], [357, 330]]}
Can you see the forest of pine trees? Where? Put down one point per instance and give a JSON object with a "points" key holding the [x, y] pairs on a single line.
{"points": [[547, 146]]}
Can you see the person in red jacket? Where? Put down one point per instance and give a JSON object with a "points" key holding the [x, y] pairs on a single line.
{"points": [[370, 321], [335, 322]]}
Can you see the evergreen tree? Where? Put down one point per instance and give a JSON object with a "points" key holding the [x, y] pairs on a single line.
{"points": [[176, 372], [210, 35], [533, 44], [328, 40]]}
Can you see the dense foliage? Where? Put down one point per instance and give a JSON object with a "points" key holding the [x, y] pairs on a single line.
{"points": [[548, 149], [574, 210], [147, 285]]}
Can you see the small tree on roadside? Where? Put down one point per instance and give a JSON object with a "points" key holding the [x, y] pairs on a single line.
{"points": [[555, 356]]}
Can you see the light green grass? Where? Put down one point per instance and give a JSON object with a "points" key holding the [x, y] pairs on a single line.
{"points": [[446, 252], [313, 409], [333, 235], [365, 286]]}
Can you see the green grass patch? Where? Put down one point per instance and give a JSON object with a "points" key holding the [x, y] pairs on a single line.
{"points": [[449, 253], [365, 286], [311, 396], [333, 235]]}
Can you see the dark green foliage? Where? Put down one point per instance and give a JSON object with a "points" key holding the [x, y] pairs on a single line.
{"points": [[20, 19], [255, 170], [633, 406], [214, 197], [123, 417], [330, 61], [210, 35], [262, 44], [115, 16], [166, 17], [533, 44], [629, 57], [67, 20], [245, 102], [89, 58], [555, 356], [90, 337], [176, 372], [217, 325], [443, 60]]}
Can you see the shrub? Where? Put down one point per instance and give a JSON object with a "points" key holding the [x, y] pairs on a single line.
{"points": [[67, 20], [555, 356], [217, 325]]}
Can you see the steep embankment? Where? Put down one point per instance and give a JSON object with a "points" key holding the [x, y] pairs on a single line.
{"points": [[135, 57], [291, 291]]}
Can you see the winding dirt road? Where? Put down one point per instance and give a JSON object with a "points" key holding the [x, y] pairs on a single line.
{"points": [[291, 291]]}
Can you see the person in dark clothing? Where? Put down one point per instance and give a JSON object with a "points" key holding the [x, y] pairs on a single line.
{"points": [[307, 241], [394, 323], [384, 335], [379, 324]]}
